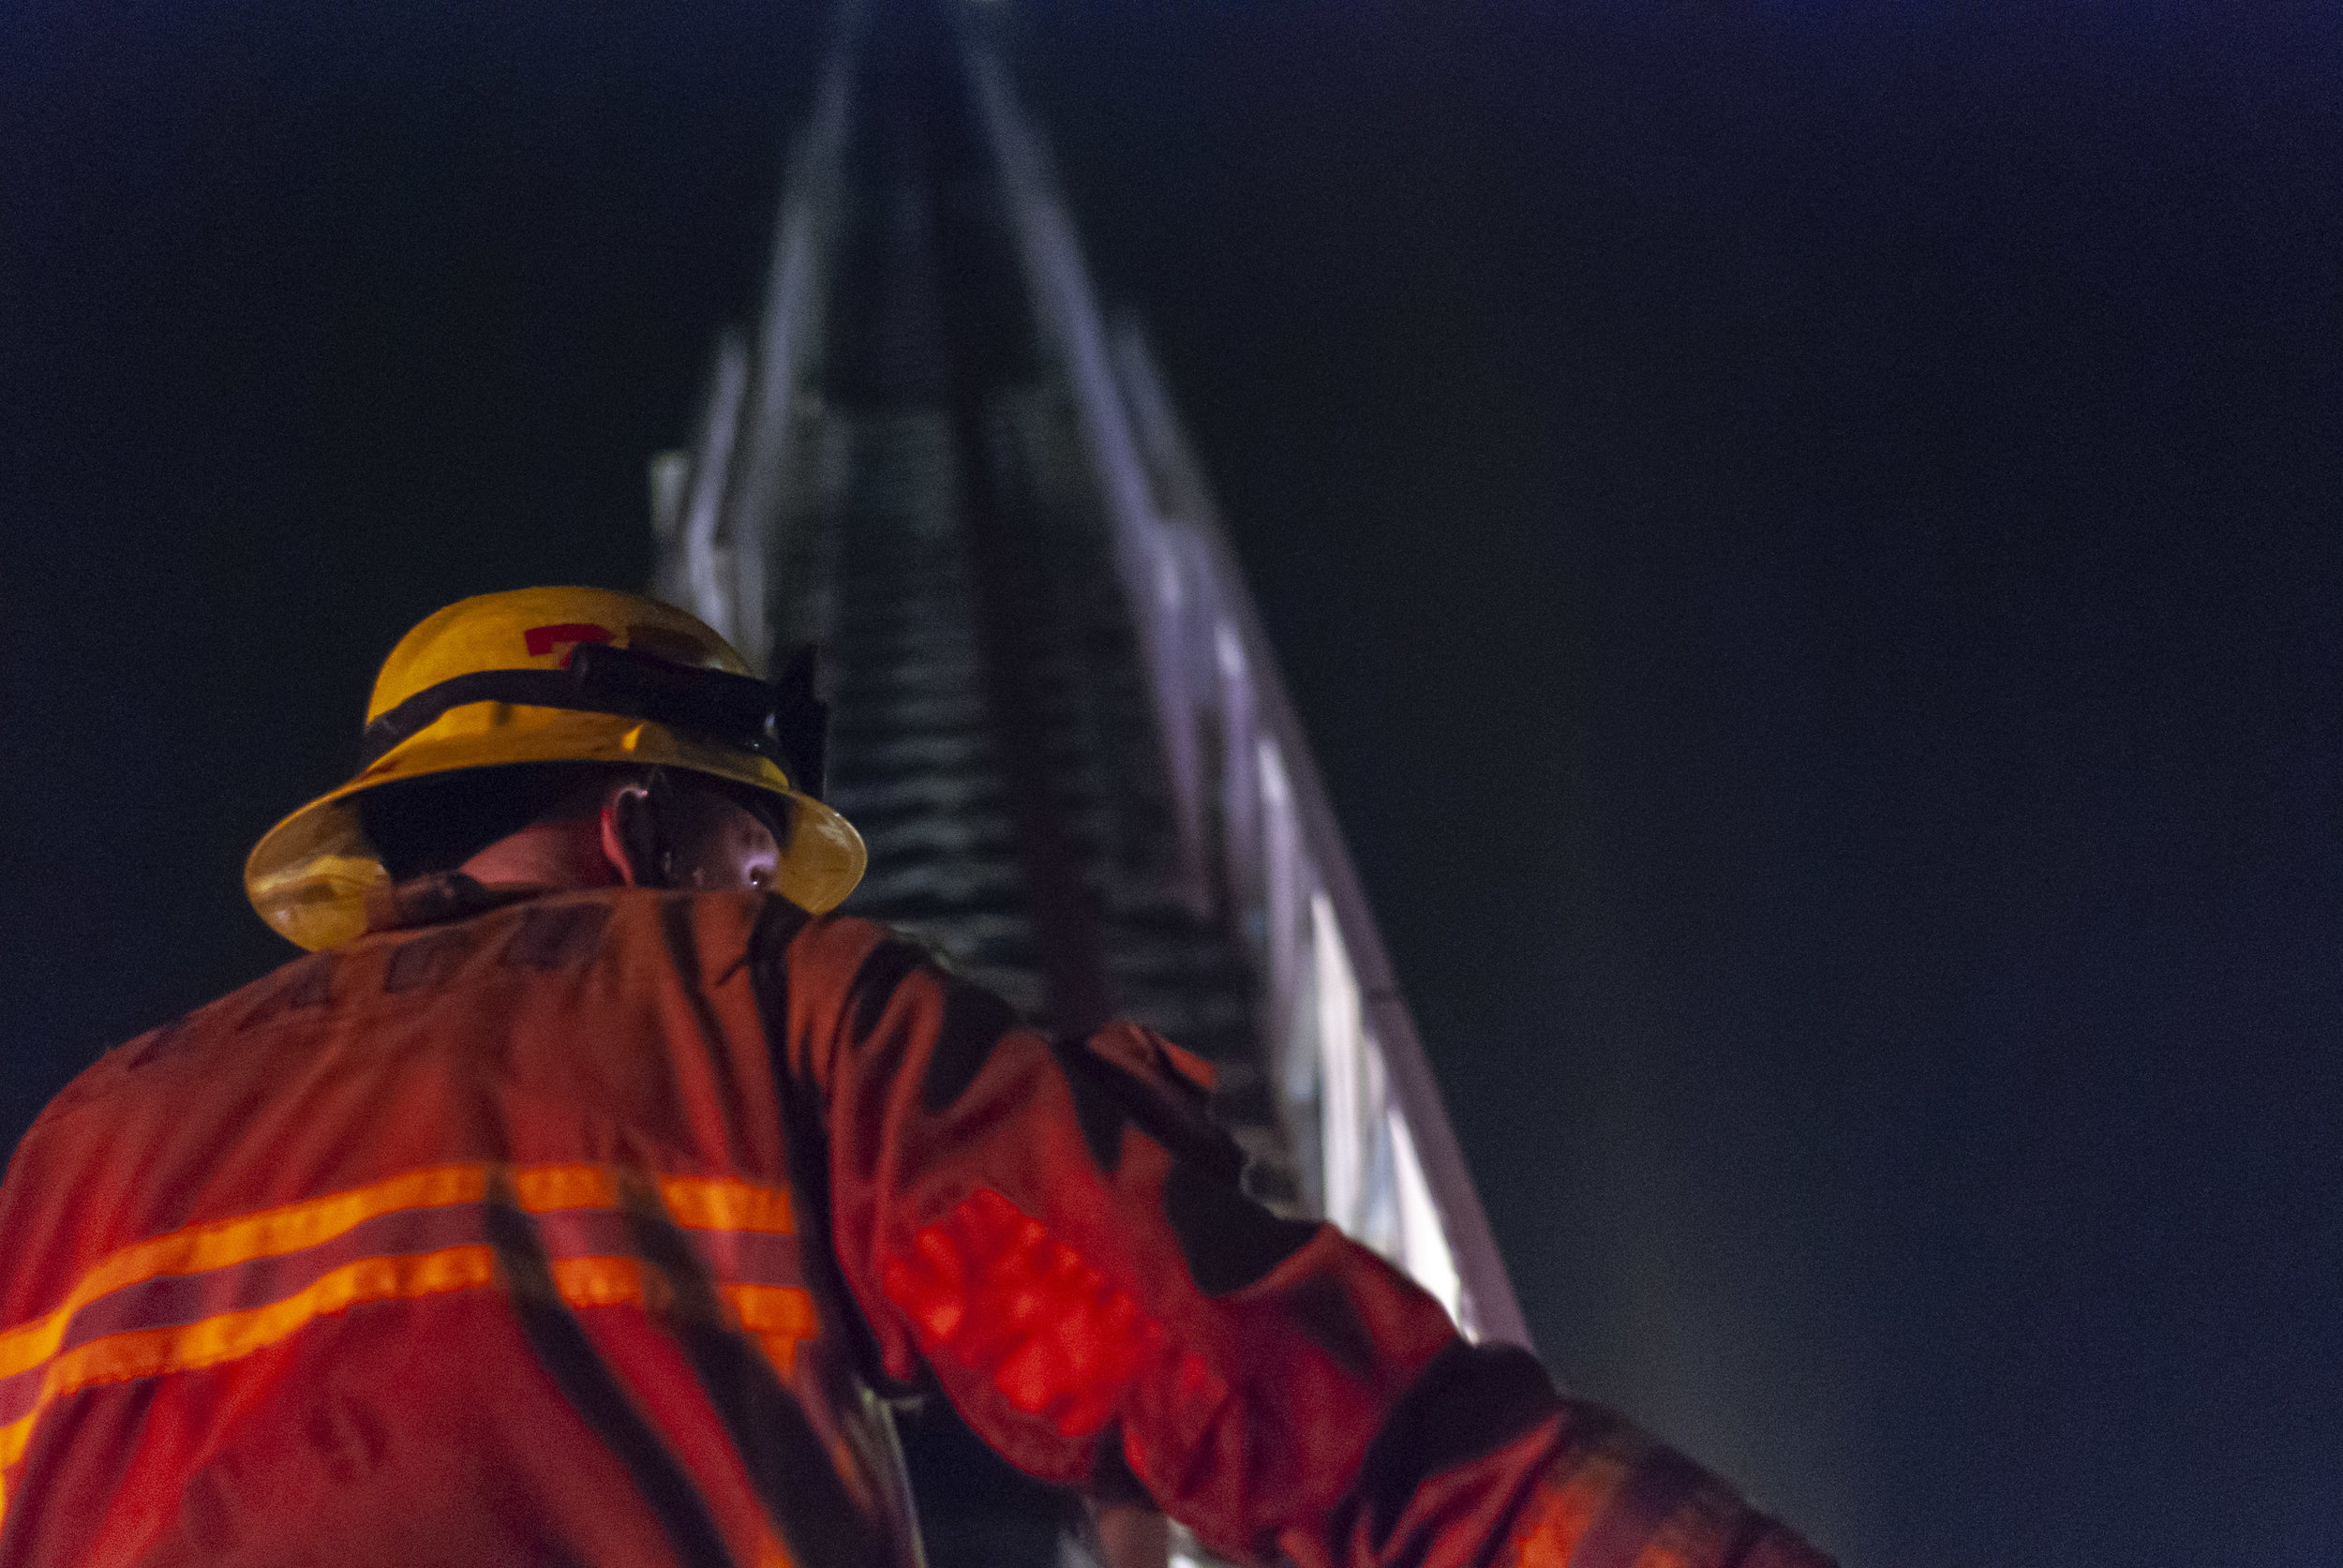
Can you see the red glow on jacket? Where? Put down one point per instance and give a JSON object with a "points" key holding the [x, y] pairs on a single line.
{"points": [[990, 1288]]}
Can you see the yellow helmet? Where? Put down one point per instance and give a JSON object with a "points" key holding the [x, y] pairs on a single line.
{"points": [[552, 675]]}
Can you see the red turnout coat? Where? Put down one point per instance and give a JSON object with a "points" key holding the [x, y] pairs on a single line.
{"points": [[580, 1229]]}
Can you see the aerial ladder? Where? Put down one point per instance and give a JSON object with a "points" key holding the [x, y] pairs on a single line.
{"points": [[1056, 719]]}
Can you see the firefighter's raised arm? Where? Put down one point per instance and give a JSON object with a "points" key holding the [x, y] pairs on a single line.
{"points": [[1056, 1231]]}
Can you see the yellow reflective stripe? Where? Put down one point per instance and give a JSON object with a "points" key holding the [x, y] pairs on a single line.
{"points": [[541, 1189], [36, 1342], [239, 1240], [771, 1308], [598, 1281], [703, 1203], [14, 1436], [150, 1351], [778, 1316], [720, 1204], [764, 1309]]}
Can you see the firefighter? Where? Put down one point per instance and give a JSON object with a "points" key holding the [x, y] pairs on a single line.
{"points": [[584, 1191]]}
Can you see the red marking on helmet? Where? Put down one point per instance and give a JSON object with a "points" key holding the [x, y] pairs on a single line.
{"points": [[542, 640], [989, 1288]]}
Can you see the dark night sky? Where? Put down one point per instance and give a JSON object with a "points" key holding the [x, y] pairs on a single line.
{"points": [[1807, 536]]}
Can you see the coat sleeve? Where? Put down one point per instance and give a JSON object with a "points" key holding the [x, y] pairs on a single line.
{"points": [[1054, 1231]]}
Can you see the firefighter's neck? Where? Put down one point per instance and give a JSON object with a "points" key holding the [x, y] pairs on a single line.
{"points": [[562, 856], [692, 838]]}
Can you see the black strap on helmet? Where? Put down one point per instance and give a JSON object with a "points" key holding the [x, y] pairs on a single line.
{"points": [[781, 720]]}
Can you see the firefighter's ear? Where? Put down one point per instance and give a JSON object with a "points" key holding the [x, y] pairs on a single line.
{"points": [[631, 840]]}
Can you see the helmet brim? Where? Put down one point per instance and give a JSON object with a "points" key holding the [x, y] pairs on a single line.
{"points": [[310, 876]]}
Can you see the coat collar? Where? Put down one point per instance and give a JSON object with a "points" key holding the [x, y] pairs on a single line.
{"points": [[437, 898]]}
